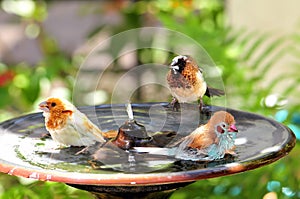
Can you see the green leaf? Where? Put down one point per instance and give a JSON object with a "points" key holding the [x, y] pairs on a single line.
{"points": [[31, 93]]}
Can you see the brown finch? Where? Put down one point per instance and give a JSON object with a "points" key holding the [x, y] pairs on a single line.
{"points": [[67, 125], [210, 141], [186, 82], [206, 143]]}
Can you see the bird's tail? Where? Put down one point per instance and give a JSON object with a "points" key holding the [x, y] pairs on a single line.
{"points": [[214, 92], [110, 134]]}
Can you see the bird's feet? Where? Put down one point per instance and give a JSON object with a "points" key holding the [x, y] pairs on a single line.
{"points": [[231, 151], [84, 150], [204, 109], [174, 104], [45, 136]]}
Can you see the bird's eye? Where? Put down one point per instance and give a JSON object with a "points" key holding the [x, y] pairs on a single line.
{"points": [[223, 125], [53, 104]]}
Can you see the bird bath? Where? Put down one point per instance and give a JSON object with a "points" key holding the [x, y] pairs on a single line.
{"points": [[28, 153]]}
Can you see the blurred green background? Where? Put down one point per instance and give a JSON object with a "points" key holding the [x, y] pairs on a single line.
{"points": [[43, 44]]}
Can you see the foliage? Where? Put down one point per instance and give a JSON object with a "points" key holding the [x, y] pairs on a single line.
{"points": [[244, 74], [38, 189], [21, 84], [236, 53]]}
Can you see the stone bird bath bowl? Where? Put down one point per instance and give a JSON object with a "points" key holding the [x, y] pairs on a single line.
{"points": [[120, 174]]}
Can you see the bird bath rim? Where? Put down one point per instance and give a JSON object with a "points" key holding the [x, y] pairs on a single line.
{"points": [[272, 154]]}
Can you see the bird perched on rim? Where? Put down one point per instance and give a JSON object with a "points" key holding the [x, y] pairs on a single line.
{"points": [[67, 125], [186, 82], [210, 141]]}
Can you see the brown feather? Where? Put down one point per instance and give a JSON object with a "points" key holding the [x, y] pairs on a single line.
{"points": [[186, 83], [187, 78], [177, 80], [203, 138], [205, 135], [58, 114]]}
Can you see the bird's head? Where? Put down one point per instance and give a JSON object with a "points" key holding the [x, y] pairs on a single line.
{"points": [[178, 63], [223, 122], [56, 106]]}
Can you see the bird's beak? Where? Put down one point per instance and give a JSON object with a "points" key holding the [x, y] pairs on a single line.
{"points": [[44, 106], [233, 128]]}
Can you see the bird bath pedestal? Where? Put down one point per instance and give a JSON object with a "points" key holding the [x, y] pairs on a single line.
{"points": [[27, 153]]}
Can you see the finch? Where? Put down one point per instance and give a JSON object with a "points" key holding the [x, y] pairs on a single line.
{"points": [[67, 125], [186, 82], [210, 141]]}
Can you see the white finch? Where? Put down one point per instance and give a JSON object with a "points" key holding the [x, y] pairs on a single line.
{"points": [[67, 125]]}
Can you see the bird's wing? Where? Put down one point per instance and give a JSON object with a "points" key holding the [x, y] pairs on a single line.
{"points": [[213, 92], [184, 152], [201, 137], [185, 144], [194, 146], [86, 128]]}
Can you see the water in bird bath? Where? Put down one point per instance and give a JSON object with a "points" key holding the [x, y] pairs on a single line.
{"points": [[27, 153], [37, 150]]}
